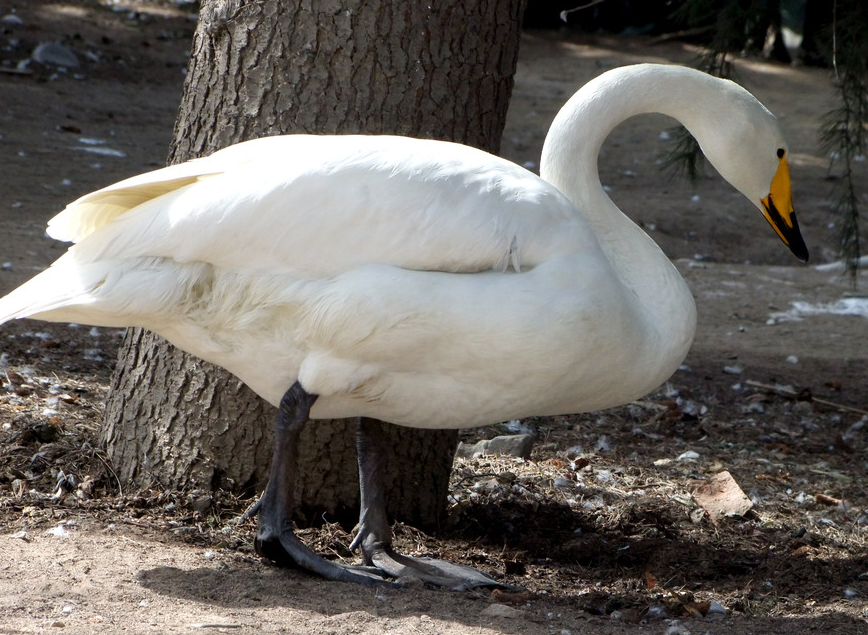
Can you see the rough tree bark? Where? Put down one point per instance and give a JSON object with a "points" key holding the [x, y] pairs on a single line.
{"points": [[325, 66]]}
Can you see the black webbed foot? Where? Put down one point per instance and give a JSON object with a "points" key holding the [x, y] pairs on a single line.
{"points": [[275, 539], [374, 539], [286, 550], [441, 573]]}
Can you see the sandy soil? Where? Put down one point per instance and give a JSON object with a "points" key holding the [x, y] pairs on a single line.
{"points": [[599, 524]]}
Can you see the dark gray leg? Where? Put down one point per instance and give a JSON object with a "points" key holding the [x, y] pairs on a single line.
{"points": [[375, 535], [275, 539]]}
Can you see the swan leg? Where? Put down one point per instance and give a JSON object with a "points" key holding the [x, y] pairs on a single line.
{"points": [[275, 538], [374, 538]]}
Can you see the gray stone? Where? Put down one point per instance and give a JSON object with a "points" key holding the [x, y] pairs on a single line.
{"points": [[55, 54], [519, 445], [501, 610]]}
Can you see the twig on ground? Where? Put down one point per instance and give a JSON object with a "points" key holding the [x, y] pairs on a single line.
{"points": [[783, 390]]}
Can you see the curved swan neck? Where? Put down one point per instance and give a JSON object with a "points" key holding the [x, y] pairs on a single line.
{"points": [[582, 125], [569, 162]]}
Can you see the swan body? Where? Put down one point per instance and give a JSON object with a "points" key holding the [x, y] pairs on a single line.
{"points": [[419, 282]]}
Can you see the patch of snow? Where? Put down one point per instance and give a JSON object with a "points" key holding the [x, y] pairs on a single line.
{"points": [[801, 310]]}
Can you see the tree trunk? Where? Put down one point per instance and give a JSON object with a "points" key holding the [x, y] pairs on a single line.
{"points": [[277, 67]]}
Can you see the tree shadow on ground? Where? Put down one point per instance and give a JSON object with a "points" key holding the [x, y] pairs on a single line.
{"points": [[593, 566]]}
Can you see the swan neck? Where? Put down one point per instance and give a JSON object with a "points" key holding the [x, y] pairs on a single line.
{"points": [[583, 124], [569, 162]]}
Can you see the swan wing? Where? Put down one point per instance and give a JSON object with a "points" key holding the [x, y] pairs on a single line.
{"points": [[318, 206], [94, 210]]}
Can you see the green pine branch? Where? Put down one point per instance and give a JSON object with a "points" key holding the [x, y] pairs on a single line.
{"points": [[844, 129]]}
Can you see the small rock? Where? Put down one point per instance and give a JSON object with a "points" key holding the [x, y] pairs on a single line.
{"points": [[716, 608], [792, 359], [517, 426], [562, 482], [58, 532], [754, 407], [55, 54], [201, 504], [605, 477], [519, 445], [720, 496], [11, 18], [488, 485], [676, 628], [657, 612], [734, 369], [690, 455], [801, 498], [574, 452], [692, 409], [502, 610]]}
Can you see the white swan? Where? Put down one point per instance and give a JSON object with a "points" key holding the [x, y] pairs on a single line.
{"points": [[418, 282]]}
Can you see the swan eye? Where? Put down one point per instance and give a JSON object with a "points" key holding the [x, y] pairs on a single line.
{"points": [[781, 153]]}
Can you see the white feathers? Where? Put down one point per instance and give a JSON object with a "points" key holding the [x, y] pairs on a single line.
{"points": [[320, 205], [419, 282]]}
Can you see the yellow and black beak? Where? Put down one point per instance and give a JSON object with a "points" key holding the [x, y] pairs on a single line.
{"points": [[778, 210]]}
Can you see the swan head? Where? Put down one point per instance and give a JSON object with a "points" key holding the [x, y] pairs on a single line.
{"points": [[747, 147], [777, 207]]}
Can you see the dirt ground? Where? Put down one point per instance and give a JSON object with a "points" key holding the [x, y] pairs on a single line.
{"points": [[599, 524]]}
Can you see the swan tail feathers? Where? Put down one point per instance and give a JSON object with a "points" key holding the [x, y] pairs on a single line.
{"points": [[84, 216], [58, 294], [90, 212]]}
